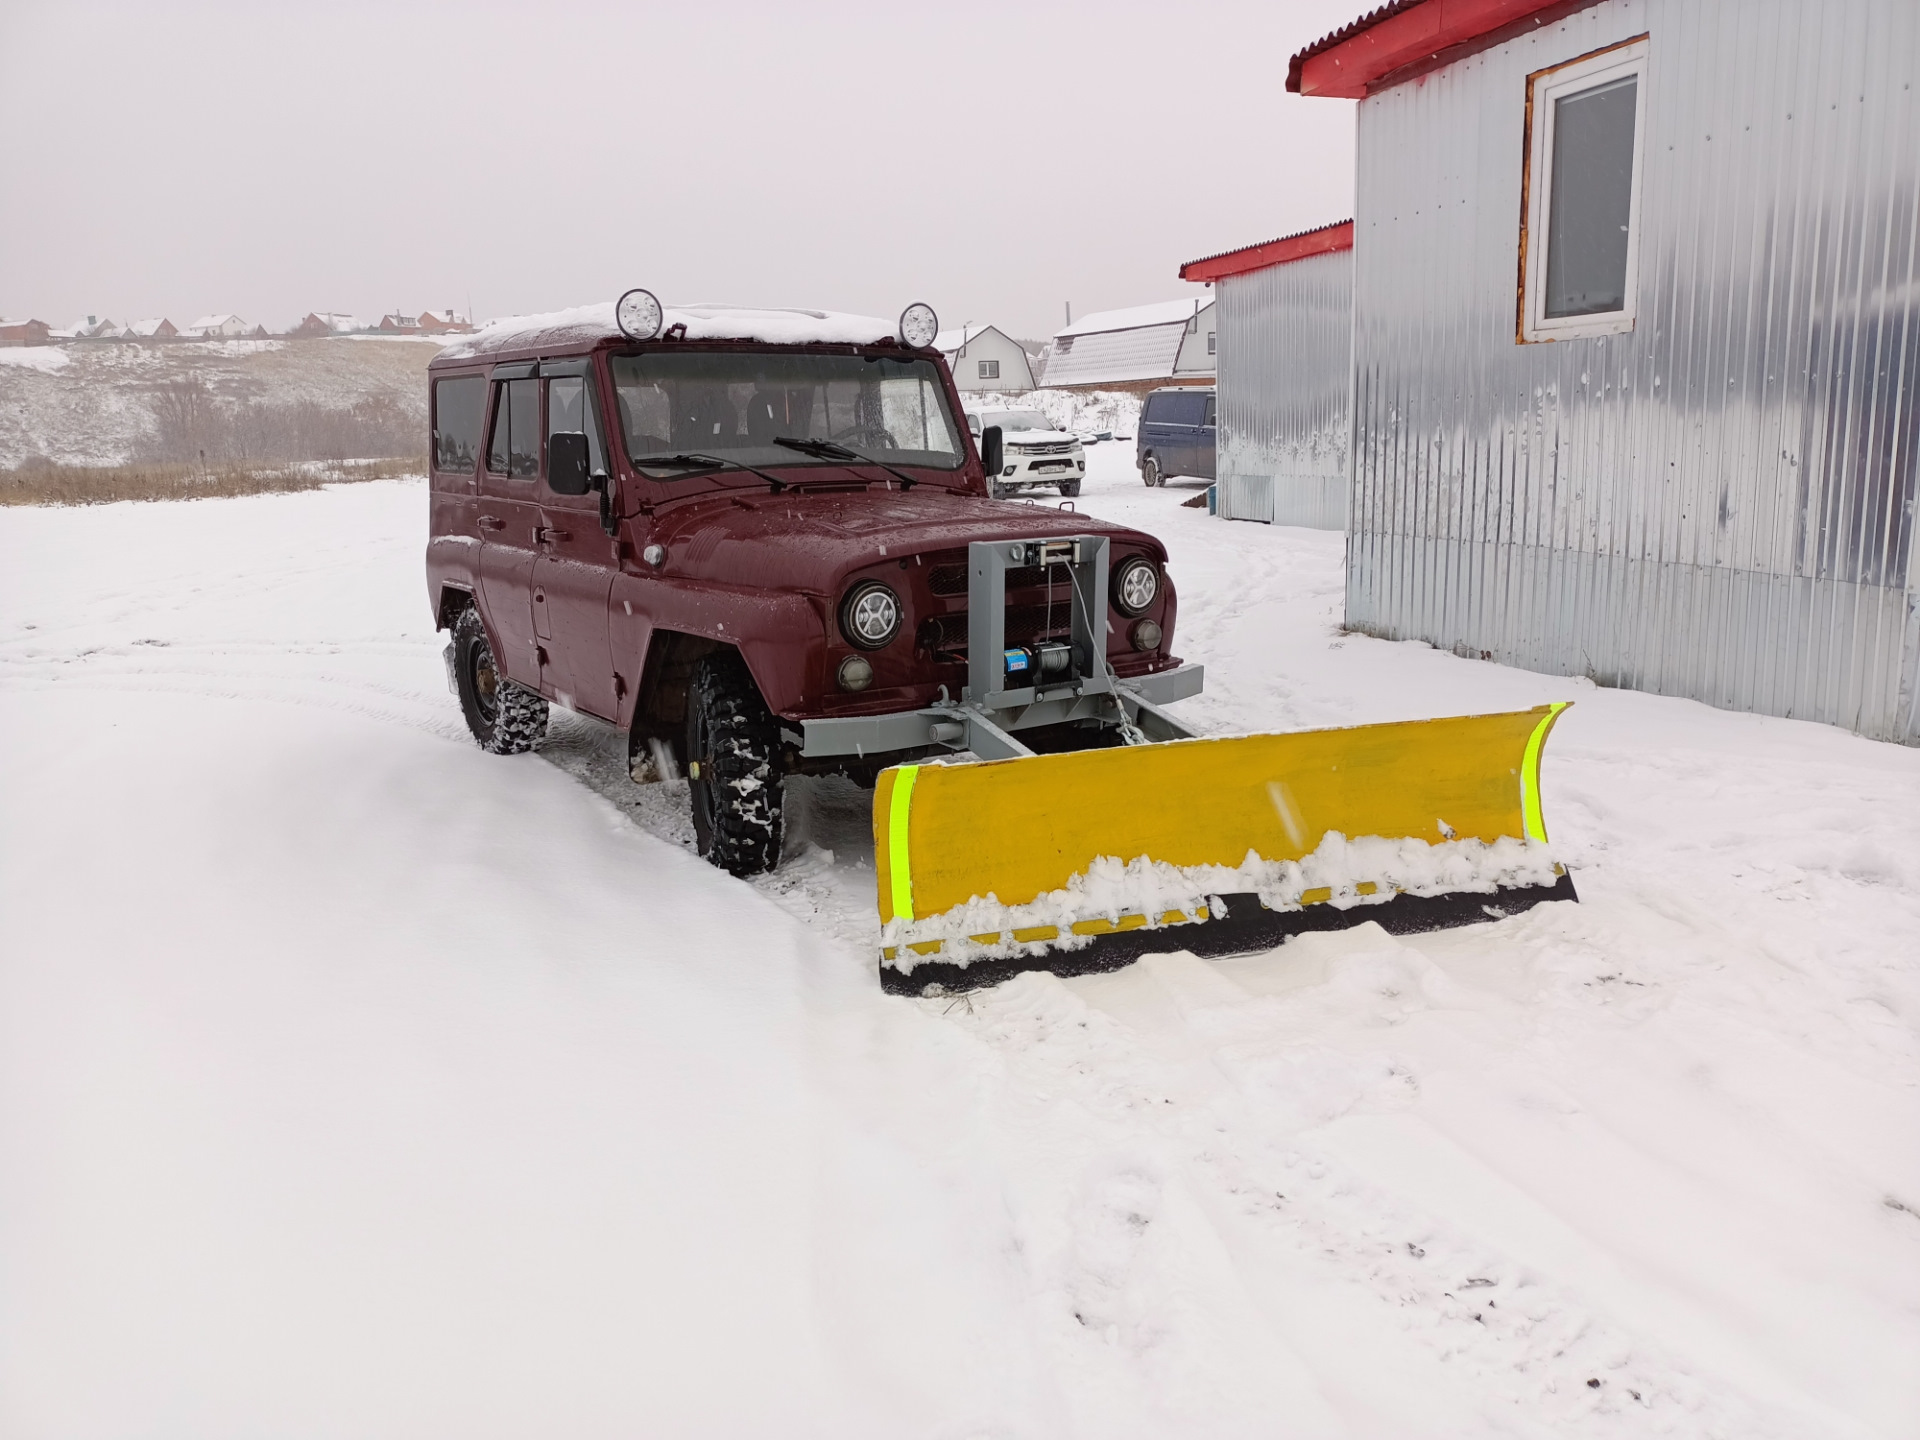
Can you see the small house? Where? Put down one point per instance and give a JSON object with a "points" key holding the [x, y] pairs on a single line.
{"points": [[983, 358], [218, 327], [1138, 349], [155, 328], [25, 332], [1285, 356]]}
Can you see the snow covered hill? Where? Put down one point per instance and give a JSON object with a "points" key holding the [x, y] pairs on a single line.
{"points": [[99, 403], [355, 1082]]}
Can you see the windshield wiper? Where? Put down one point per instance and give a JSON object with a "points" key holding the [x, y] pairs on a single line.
{"points": [[693, 460], [834, 450]]}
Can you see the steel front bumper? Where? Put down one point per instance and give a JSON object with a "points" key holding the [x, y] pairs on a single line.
{"points": [[988, 730]]}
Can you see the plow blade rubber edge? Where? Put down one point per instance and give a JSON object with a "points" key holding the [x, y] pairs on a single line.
{"points": [[1202, 816]]}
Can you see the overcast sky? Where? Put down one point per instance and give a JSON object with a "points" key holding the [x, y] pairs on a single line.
{"points": [[996, 161]]}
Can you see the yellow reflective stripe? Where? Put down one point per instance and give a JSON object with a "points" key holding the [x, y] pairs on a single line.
{"points": [[898, 855], [1535, 822]]}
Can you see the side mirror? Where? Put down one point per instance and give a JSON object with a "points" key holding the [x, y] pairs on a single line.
{"points": [[567, 463], [992, 455]]}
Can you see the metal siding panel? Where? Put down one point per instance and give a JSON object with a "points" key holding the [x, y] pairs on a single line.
{"points": [[1285, 360], [1720, 503]]}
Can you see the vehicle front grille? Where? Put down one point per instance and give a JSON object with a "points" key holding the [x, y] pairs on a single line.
{"points": [[1043, 447], [1026, 624], [952, 579]]}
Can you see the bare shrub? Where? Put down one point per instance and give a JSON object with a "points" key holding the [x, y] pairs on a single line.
{"points": [[184, 416], [45, 484], [192, 425]]}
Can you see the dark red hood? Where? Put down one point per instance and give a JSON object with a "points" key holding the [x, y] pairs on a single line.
{"points": [[811, 540]]}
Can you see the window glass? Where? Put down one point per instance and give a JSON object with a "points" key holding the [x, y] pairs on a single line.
{"points": [[989, 369], [497, 445], [459, 409], [1207, 419], [570, 410], [736, 406], [1177, 409], [1590, 200]]}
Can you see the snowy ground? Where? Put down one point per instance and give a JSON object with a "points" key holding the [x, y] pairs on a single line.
{"points": [[353, 1082]]}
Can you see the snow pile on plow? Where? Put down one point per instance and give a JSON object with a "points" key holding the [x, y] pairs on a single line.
{"points": [[1083, 862]]}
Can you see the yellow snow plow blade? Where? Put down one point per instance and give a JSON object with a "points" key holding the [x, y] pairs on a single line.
{"points": [[1076, 862]]}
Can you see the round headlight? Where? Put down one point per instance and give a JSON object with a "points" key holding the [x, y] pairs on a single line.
{"points": [[1146, 635], [639, 315], [918, 325], [870, 615], [1136, 586]]}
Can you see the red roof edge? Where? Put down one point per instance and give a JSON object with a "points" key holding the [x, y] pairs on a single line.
{"points": [[1298, 246], [1410, 37]]}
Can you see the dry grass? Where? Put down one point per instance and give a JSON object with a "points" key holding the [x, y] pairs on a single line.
{"points": [[102, 485]]}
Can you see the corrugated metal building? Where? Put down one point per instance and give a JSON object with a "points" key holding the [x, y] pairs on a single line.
{"points": [[1171, 343], [1285, 367], [1656, 424]]}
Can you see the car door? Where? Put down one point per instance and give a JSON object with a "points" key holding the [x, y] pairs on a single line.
{"points": [[507, 518], [1204, 443], [573, 563], [1183, 411]]}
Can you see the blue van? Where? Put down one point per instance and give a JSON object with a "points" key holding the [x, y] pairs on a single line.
{"points": [[1176, 434]]}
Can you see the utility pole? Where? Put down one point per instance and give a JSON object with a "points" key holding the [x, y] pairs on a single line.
{"points": [[1069, 312]]}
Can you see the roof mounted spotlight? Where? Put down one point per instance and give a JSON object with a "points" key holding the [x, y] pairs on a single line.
{"points": [[639, 315], [918, 325]]}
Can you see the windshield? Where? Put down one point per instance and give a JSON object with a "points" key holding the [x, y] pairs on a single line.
{"points": [[733, 407], [1009, 420]]}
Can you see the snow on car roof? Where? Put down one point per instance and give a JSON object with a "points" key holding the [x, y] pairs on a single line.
{"points": [[586, 323], [1166, 312]]}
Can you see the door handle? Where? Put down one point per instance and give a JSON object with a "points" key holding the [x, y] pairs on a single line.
{"points": [[491, 522], [546, 535]]}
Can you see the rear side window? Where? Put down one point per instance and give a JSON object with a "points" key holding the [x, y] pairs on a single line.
{"points": [[1176, 409], [515, 448], [1208, 420], [459, 409]]}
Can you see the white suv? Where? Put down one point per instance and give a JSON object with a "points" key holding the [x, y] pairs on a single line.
{"points": [[1036, 453]]}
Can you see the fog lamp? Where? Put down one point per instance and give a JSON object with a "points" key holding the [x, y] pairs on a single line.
{"points": [[1146, 635], [855, 673]]}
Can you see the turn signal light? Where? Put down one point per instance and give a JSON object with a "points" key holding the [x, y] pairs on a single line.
{"points": [[856, 673], [1146, 635]]}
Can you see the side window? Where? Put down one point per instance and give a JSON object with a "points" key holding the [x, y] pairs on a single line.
{"points": [[1579, 237], [459, 409], [1179, 409], [1156, 411], [989, 369], [570, 408], [515, 447], [1208, 420]]}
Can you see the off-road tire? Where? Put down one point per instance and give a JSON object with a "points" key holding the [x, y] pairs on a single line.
{"points": [[1069, 487], [504, 718], [733, 769], [997, 491], [1150, 475]]}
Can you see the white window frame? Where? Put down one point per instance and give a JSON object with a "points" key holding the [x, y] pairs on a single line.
{"points": [[987, 366], [1544, 87]]}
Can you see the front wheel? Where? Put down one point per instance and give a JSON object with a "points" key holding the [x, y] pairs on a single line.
{"points": [[1150, 475], [997, 491], [504, 718], [1069, 487], [733, 767]]}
